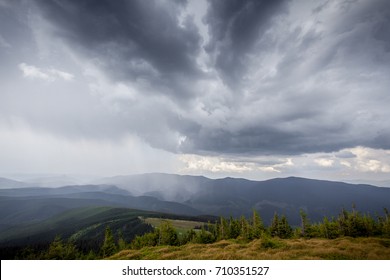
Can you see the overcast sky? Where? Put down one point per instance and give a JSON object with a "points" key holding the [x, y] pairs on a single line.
{"points": [[253, 89]]}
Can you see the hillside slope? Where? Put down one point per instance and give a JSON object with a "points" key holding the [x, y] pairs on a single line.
{"points": [[236, 197], [84, 227], [196, 195], [275, 249], [26, 205]]}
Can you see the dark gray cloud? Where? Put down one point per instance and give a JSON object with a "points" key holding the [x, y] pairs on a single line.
{"points": [[328, 75], [274, 77], [13, 36], [132, 40], [234, 27]]}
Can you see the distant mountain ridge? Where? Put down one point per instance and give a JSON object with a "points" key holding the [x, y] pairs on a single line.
{"points": [[24, 205], [6, 183], [45, 191], [289, 195], [198, 195], [169, 187], [234, 196]]}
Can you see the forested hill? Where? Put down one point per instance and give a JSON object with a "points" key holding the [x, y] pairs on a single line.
{"points": [[35, 215], [82, 228], [196, 195], [236, 197]]}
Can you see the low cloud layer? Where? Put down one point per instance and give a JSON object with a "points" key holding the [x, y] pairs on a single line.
{"points": [[211, 82]]}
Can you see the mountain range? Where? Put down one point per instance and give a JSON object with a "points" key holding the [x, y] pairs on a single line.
{"points": [[235, 197], [31, 214], [193, 195]]}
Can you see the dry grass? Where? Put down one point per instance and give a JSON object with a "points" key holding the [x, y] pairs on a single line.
{"points": [[178, 224], [272, 249]]}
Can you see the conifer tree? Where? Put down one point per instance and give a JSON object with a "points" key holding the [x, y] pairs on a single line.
{"points": [[121, 241], [305, 225], [205, 237], [234, 228], [60, 250], [109, 246], [274, 228], [245, 229], [188, 237], [329, 228], [386, 224], [90, 256], [167, 235], [213, 229], [56, 249], [343, 222], [223, 229], [257, 225], [146, 240], [285, 230]]}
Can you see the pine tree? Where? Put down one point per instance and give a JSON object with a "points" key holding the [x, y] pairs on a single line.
{"points": [[213, 229], [306, 230], [59, 250], [274, 228], [329, 228], [205, 237], [90, 256], [386, 224], [245, 229], [109, 246], [121, 241], [56, 249], [223, 229], [285, 230], [188, 237], [257, 225], [234, 228], [71, 252], [343, 222], [147, 240], [369, 225], [167, 235]]}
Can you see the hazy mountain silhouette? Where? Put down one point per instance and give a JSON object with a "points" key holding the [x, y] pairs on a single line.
{"points": [[231, 196], [196, 195], [9, 184], [26, 205]]}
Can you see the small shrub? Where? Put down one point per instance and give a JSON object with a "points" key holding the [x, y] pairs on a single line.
{"points": [[270, 243]]}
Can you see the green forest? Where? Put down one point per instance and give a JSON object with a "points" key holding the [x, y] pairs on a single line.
{"points": [[351, 224]]}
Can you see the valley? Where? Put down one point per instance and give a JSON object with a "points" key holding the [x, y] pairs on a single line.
{"points": [[32, 216]]}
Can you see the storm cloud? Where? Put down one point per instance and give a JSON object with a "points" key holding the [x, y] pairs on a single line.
{"points": [[131, 40], [235, 27], [238, 79]]}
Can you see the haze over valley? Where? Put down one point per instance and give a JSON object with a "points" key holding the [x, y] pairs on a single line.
{"points": [[192, 196]]}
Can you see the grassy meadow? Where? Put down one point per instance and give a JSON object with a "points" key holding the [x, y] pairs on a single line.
{"points": [[344, 248], [181, 226]]}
